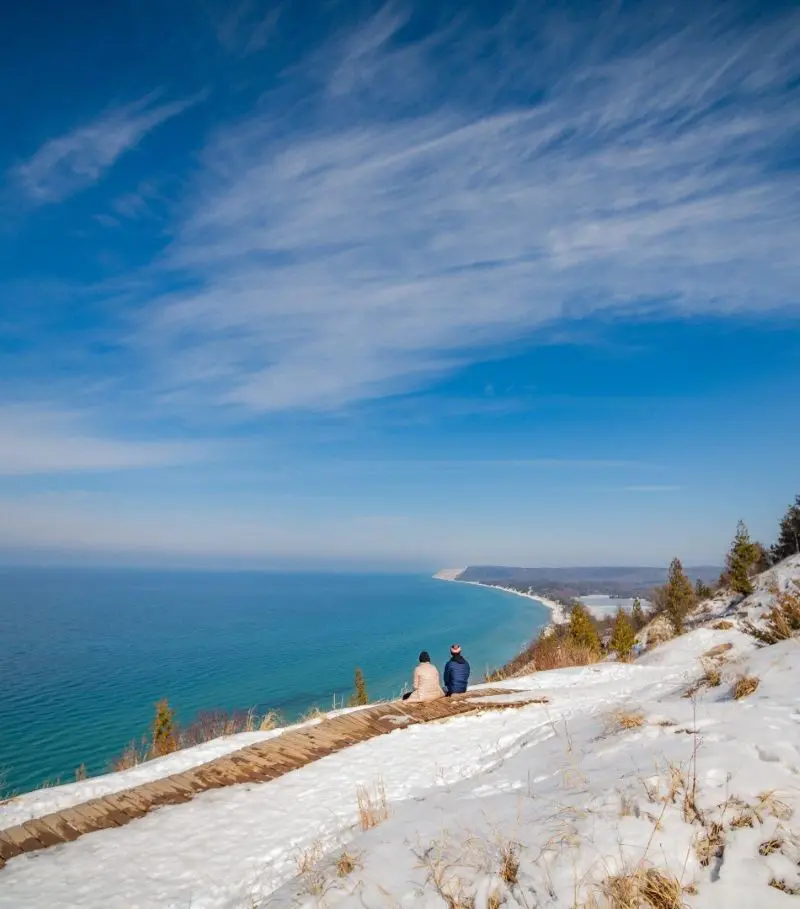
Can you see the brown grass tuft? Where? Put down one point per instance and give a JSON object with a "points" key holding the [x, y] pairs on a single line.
{"points": [[723, 625], [347, 863], [783, 620], [718, 651], [509, 862], [495, 900], [773, 845], [373, 809], [784, 887], [745, 686], [643, 889], [711, 844], [711, 678], [625, 719]]}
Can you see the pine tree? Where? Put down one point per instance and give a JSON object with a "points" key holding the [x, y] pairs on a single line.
{"points": [[740, 560], [789, 534], [702, 591], [360, 697], [624, 637], [164, 739], [678, 594], [637, 615], [582, 630]]}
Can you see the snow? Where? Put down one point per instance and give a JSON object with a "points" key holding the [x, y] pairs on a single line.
{"points": [[581, 797], [35, 804], [601, 605]]}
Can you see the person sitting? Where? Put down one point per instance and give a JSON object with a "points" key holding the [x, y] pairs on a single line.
{"points": [[456, 672], [426, 681]]}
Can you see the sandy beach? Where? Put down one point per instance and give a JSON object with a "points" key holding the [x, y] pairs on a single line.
{"points": [[558, 614]]}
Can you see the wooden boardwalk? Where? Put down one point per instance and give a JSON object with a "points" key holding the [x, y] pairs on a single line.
{"points": [[260, 762]]}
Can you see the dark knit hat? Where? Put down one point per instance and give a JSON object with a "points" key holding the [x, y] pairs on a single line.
{"points": [[424, 657]]}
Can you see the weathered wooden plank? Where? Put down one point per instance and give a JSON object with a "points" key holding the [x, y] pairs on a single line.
{"points": [[21, 838], [43, 833], [8, 848]]}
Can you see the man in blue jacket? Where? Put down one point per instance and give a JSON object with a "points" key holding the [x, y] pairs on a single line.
{"points": [[456, 672]]}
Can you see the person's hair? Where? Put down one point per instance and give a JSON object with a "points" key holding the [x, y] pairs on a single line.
{"points": [[424, 657]]}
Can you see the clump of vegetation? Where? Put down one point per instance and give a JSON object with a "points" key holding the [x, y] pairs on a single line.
{"points": [[373, 807], [644, 888], [702, 591], [741, 561], [678, 595], [359, 696], [624, 719], [582, 630], [745, 686], [623, 637], [638, 618], [788, 542], [164, 737], [783, 620], [347, 863], [723, 625]]}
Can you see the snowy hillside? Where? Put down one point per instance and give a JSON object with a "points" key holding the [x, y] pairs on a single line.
{"points": [[619, 792]]}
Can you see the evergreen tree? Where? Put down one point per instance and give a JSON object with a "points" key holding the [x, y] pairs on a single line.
{"points": [[678, 595], [360, 697], [164, 735], [789, 534], [624, 637], [740, 560], [702, 591], [582, 630], [637, 615]]}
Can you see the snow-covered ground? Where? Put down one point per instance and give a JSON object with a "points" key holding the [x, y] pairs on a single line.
{"points": [[705, 789]]}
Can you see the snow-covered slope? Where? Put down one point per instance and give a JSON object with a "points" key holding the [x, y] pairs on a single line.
{"points": [[618, 773]]}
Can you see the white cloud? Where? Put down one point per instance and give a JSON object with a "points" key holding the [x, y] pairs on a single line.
{"points": [[41, 441], [69, 163], [369, 254]]}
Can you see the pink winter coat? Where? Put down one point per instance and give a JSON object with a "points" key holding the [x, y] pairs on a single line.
{"points": [[426, 683]]}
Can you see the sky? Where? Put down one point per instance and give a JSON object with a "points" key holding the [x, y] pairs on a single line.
{"points": [[397, 285]]}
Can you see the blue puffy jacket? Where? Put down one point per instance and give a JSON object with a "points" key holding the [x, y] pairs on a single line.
{"points": [[456, 674]]}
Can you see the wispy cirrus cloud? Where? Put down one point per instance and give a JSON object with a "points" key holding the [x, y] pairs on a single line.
{"points": [[69, 163], [35, 440], [619, 166]]}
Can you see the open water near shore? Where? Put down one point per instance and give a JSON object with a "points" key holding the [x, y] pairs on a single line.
{"points": [[84, 654]]}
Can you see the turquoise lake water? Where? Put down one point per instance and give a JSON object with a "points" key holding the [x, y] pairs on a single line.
{"points": [[85, 654]]}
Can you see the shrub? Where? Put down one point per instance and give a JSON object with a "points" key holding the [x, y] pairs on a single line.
{"points": [[740, 561], [164, 737], [783, 620], [678, 595], [623, 637], [360, 696], [582, 629], [552, 649]]}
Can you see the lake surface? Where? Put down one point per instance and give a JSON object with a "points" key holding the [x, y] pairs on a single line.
{"points": [[84, 654]]}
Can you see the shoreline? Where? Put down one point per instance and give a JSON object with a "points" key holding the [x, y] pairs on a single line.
{"points": [[558, 614]]}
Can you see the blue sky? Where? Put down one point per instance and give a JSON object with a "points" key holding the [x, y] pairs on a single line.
{"points": [[400, 284]]}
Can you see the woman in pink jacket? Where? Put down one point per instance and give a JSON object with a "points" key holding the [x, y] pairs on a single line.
{"points": [[426, 681]]}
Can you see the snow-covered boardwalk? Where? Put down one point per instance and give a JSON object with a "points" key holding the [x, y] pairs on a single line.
{"points": [[258, 762]]}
